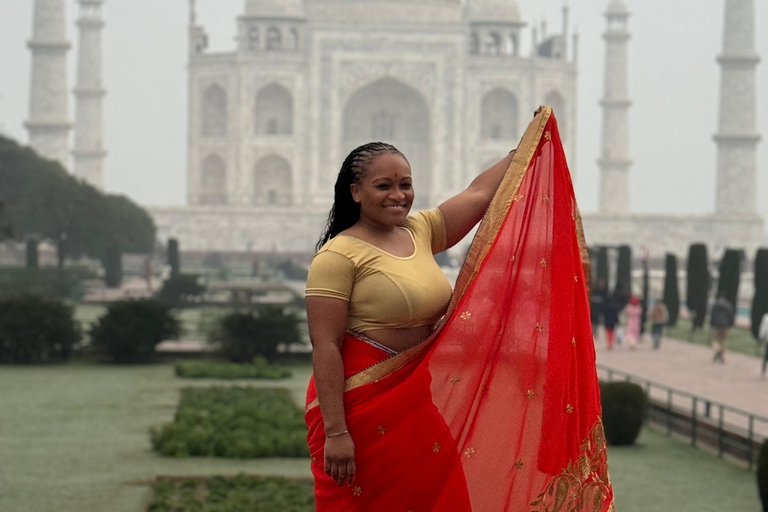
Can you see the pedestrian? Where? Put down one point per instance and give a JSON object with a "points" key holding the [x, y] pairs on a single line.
{"points": [[634, 314], [621, 299], [611, 318], [596, 307], [659, 319], [722, 317], [763, 337]]}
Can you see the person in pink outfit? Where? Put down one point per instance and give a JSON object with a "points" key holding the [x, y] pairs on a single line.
{"points": [[634, 313]]}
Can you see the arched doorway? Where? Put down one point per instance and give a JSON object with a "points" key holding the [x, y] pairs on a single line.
{"points": [[393, 112], [213, 181], [272, 183], [274, 111]]}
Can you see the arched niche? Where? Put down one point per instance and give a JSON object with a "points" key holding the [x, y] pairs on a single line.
{"points": [[213, 181], [390, 111], [272, 182], [214, 112], [274, 111], [494, 44], [555, 100], [274, 39], [499, 115], [254, 38]]}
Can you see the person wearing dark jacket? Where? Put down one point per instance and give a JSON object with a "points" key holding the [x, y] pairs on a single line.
{"points": [[611, 318], [722, 317]]}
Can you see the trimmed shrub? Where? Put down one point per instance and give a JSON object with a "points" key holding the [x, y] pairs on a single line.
{"points": [[624, 270], [181, 288], [762, 475], [131, 329], [236, 494], [671, 292], [644, 299], [259, 369], [35, 330], [730, 275], [173, 257], [243, 336], [760, 300], [698, 283], [234, 422], [624, 406]]}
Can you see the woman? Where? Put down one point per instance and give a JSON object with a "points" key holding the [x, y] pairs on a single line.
{"points": [[634, 312], [659, 319], [611, 320], [410, 412]]}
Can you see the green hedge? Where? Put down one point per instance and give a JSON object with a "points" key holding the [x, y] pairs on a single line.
{"points": [[624, 406], [35, 330], [46, 282], [762, 475], [234, 422], [131, 329], [259, 369], [239, 494]]}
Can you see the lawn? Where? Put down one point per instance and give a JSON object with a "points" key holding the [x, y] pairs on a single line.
{"points": [[74, 438], [739, 338]]}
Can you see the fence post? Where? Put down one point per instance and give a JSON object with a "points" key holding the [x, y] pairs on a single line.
{"points": [[707, 406], [669, 412], [693, 421], [646, 419], [751, 440], [720, 447]]}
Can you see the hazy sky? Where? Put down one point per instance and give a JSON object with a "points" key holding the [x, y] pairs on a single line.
{"points": [[674, 81]]}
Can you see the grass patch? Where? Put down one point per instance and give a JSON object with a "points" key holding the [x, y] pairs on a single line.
{"points": [[240, 493], [739, 339], [234, 422], [260, 369]]}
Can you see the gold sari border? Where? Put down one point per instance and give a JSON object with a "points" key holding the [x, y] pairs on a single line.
{"points": [[481, 245]]}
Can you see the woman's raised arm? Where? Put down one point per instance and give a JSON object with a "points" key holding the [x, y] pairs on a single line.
{"points": [[464, 210]]}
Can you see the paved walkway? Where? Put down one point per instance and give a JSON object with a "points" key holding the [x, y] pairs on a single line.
{"points": [[689, 367]]}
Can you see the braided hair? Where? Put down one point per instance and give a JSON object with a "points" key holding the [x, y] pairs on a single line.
{"points": [[345, 212]]}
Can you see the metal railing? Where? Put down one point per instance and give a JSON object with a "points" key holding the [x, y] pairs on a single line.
{"points": [[729, 430]]}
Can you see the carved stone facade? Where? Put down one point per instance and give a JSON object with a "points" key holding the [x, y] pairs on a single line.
{"points": [[271, 122]]}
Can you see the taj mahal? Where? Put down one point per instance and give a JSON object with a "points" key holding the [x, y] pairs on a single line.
{"points": [[446, 81]]}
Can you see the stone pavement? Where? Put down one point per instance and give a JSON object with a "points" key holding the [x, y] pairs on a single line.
{"points": [[689, 367]]}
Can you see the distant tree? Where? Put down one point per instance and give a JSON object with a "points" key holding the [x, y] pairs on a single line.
{"points": [[671, 292], [6, 228], [173, 257], [602, 264], [45, 202], [697, 285], [33, 260], [730, 275], [760, 300]]}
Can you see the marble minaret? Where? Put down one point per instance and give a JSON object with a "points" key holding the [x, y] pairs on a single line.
{"points": [[89, 151], [737, 137], [48, 124], [615, 162]]}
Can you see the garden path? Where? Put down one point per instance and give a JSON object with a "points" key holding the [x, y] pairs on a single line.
{"points": [[689, 367]]}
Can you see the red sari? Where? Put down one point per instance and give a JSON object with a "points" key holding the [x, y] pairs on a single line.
{"points": [[499, 410]]}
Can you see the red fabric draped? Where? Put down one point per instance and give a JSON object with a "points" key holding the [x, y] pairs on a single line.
{"points": [[499, 410]]}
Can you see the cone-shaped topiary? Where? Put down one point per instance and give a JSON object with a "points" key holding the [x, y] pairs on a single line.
{"points": [[173, 257], [33, 261], [671, 292], [760, 300], [730, 274], [698, 283], [113, 266], [623, 411], [644, 300], [624, 276], [602, 264]]}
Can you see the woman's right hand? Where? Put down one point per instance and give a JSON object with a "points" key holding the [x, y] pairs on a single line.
{"points": [[340, 459]]}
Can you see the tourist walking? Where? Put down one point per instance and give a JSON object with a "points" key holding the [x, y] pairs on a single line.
{"points": [[723, 314], [659, 319], [596, 307], [611, 319], [634, 314], [763, 337]]}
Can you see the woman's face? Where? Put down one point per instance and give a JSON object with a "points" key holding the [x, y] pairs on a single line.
{"points": [[385, 193]]}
